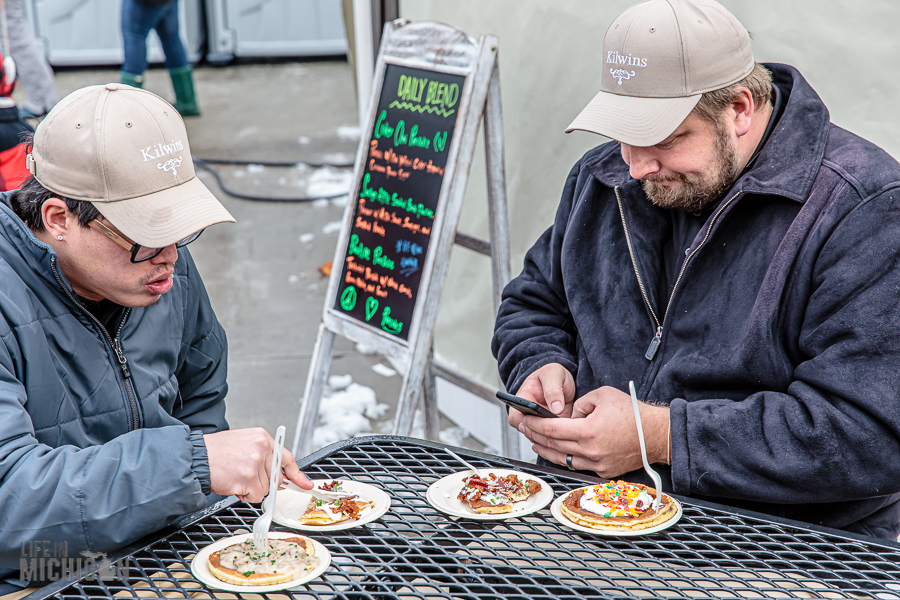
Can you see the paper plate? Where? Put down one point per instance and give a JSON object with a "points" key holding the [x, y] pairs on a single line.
{"points": [[556, 511], [442, 495], [291, 502], [200, 565]]}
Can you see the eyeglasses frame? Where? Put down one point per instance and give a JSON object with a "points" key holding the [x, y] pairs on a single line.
{"points": [[132, 247]]}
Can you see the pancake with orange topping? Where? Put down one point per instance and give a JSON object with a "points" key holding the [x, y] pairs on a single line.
{"points": [[319, 512], [617, 506]]}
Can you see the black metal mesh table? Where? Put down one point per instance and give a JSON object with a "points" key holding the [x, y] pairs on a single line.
{"points": [[416, 552]]}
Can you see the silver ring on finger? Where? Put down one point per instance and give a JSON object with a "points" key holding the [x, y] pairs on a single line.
{"points": [[569, 462]]}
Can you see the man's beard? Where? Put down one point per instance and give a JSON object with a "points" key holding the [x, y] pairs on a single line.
{"points": [[696, 191]]}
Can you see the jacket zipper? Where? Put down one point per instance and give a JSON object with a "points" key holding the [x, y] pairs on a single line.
{"points": [[654, 343], [114, 344]]}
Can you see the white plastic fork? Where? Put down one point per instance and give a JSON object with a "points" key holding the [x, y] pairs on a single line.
{"points": [[264, 521], [460, 459], [653, 474]]}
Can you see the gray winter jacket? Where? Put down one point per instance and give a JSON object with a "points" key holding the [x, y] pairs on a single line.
{"points": [[101, 432], [778, 346]]}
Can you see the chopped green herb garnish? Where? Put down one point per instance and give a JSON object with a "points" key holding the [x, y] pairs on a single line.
{"points": [[248, 573]]}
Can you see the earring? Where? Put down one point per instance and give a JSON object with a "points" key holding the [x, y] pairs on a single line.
{"points": [[59, 237]]}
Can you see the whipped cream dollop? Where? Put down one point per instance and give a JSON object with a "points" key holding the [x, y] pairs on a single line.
{"points": [[615, 499]]}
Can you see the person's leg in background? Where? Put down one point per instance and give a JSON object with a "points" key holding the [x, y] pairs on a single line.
{"points": [[33, 71], [177, 61], [137, 21]]}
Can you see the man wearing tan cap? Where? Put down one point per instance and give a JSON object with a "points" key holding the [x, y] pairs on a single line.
{"points": [[112, 362], [732, 253]]}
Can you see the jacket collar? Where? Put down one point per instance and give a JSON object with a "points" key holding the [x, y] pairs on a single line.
{"points": [[788, 162], [19, 244]]}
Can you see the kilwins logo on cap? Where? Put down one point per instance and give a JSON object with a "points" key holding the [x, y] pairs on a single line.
{"points": [[623, 60], [163, 151]]}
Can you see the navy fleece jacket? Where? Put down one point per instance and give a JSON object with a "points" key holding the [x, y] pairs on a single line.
{"points": [[780, 347]]}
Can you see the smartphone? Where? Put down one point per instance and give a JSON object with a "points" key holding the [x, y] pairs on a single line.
{"points": [[526, 406]]}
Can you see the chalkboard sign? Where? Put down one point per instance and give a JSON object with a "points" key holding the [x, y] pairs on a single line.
{"points": [[433, 87], [397, 197]]}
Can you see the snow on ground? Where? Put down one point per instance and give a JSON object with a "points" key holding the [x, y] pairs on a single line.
{"points": [[332, 227], [254, 168], [336, 158], [383, 370], [306, 238], [348, 132], [346, 411], [453, 436], [329, 181], [362, 348]]}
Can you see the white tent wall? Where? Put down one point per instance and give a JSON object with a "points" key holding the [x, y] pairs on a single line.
{"points": [[550, 68]]}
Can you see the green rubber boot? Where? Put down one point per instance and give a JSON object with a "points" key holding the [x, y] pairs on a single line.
{"points": [[185, 99], [132, 80]]}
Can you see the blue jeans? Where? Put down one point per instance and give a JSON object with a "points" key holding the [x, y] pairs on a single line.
{"points": [[137, 21]]}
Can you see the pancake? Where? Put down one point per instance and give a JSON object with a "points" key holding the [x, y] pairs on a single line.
{"points": [[495, 495], [617, 506], [285, 560], [322, 513]]}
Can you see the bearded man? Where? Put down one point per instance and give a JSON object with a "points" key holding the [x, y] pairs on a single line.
{"points": [[732, 253]]}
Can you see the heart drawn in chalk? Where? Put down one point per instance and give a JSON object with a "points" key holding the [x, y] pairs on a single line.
{"points": [[371, 307]]}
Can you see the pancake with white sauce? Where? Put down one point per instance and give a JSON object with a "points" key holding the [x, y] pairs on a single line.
{"points": [[286, 560]]}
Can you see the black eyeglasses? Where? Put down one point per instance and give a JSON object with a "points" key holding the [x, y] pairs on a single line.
{"points": [[139, 253]]}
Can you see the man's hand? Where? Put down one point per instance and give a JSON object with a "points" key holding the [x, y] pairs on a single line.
{"points": [[240, 462], [551, 386], [601, 436]]}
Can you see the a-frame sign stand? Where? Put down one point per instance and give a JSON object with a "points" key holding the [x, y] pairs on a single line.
{"points": [[433, 86]]}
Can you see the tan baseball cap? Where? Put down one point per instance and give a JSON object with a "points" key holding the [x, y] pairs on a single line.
{"points": [[125, 150], [659, 57]]}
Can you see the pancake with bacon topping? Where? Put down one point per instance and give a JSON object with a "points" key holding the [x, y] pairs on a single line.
{"points": [[319, 512], [617, 506], [494, 495]]}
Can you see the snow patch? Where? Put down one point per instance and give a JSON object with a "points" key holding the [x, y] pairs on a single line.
{"points": [[339, 382], [332, 227], [453, 436], [329, 182], [254, 168], [306, 238], [348, 132], [383, 370], [362, 348], [346, 411]]}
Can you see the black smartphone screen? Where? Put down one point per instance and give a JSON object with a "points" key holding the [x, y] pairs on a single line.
{"points": [[526, 406]]}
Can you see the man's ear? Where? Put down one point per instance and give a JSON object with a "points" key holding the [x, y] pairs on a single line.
{"points": [[57, 217], [742, 105]]}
